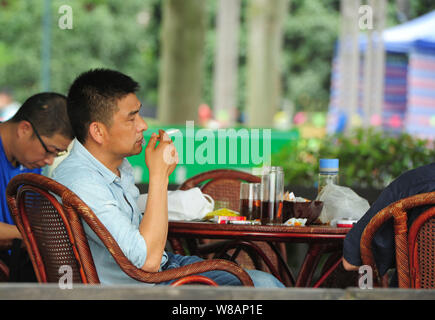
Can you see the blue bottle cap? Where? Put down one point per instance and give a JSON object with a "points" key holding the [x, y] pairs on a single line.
{"points": [[328, 164]]}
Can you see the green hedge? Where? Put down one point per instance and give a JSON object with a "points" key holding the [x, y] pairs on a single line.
{"points": [[368, 158]]}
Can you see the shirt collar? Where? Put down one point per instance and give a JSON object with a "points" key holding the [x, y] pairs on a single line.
{"points": [[105, 172]]}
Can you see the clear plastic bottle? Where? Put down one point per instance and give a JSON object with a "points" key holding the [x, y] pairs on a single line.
{"points": [[328, 172]]}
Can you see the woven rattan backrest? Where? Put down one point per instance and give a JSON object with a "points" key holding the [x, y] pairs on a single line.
{"points": [[225, 192], [404, 240], [52, 232], [48, 231], [422, 250], [223, 185], [426, 254]]}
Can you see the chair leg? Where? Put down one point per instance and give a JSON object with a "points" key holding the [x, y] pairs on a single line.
{"points": [[327, 273], [332, 259], [254, 252], [385, 281], [4, 272], [177, 246], [250, 248]]}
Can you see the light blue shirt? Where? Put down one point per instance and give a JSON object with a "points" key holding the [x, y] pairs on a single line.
{"points": [[113, 200]]}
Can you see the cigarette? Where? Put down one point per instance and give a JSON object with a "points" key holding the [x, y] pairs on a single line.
{"points": [[170, 133], [241, 222]]}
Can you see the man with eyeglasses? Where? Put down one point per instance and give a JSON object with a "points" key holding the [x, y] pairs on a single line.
{"points": [[39, 132]]}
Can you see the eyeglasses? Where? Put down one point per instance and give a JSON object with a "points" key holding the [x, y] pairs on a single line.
{"points": [[52, 153]]}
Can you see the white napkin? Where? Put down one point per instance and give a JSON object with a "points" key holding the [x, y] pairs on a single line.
{"points": [[184, 204]]}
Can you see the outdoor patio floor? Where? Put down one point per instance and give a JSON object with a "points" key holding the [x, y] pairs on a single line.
{"points": [[18, 291]]}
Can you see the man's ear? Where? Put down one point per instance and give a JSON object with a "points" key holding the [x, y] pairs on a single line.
{"points": [[24, 129], [97, 132]]}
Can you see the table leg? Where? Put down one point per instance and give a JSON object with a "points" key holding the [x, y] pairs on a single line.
{"points": [[328, 273], [177, 246], [309, 265], [285, 272], [312, 259], [255, 253]]}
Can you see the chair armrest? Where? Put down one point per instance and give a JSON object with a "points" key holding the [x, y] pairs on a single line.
{"points": [[194, 279], [188, 270]]}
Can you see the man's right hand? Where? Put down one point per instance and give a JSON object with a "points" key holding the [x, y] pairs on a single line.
{"points": [[349, 267], [160, 159]]}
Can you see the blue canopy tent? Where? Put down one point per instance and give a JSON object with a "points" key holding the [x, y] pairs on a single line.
{"points": [[409, 81]]}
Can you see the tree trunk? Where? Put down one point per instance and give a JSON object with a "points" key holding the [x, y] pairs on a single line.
{"points": [[266, 19], [379, 14], [374, 65], [183, 38], [227, 50], [403, 7], [348, 60]]}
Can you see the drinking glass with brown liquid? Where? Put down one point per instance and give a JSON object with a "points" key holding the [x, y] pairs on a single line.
{"points": [[250, 200], [272, 192]]}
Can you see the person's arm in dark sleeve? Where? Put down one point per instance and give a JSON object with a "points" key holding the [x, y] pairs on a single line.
{"points": [[412, 182], [351, 245]]}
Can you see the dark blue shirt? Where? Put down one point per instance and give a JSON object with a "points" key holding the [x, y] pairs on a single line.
{"points": [[7, 172], [416, 181]]}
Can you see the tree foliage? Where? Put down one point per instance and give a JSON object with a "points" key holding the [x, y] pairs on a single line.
{"points": [[115, 34], [310, 35], [125, 35]]}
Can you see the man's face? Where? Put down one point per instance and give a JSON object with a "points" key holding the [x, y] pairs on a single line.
{"points": [[126, 131], [33, 153]]}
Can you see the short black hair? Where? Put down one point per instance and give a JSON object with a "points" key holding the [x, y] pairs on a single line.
{"points": [[93, 97], [48, 112]]}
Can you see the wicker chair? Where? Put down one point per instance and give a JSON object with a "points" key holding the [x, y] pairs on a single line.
{"points": [[223, 185], [415, 250], [5, 245], [54, 237], [4, 272]]}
